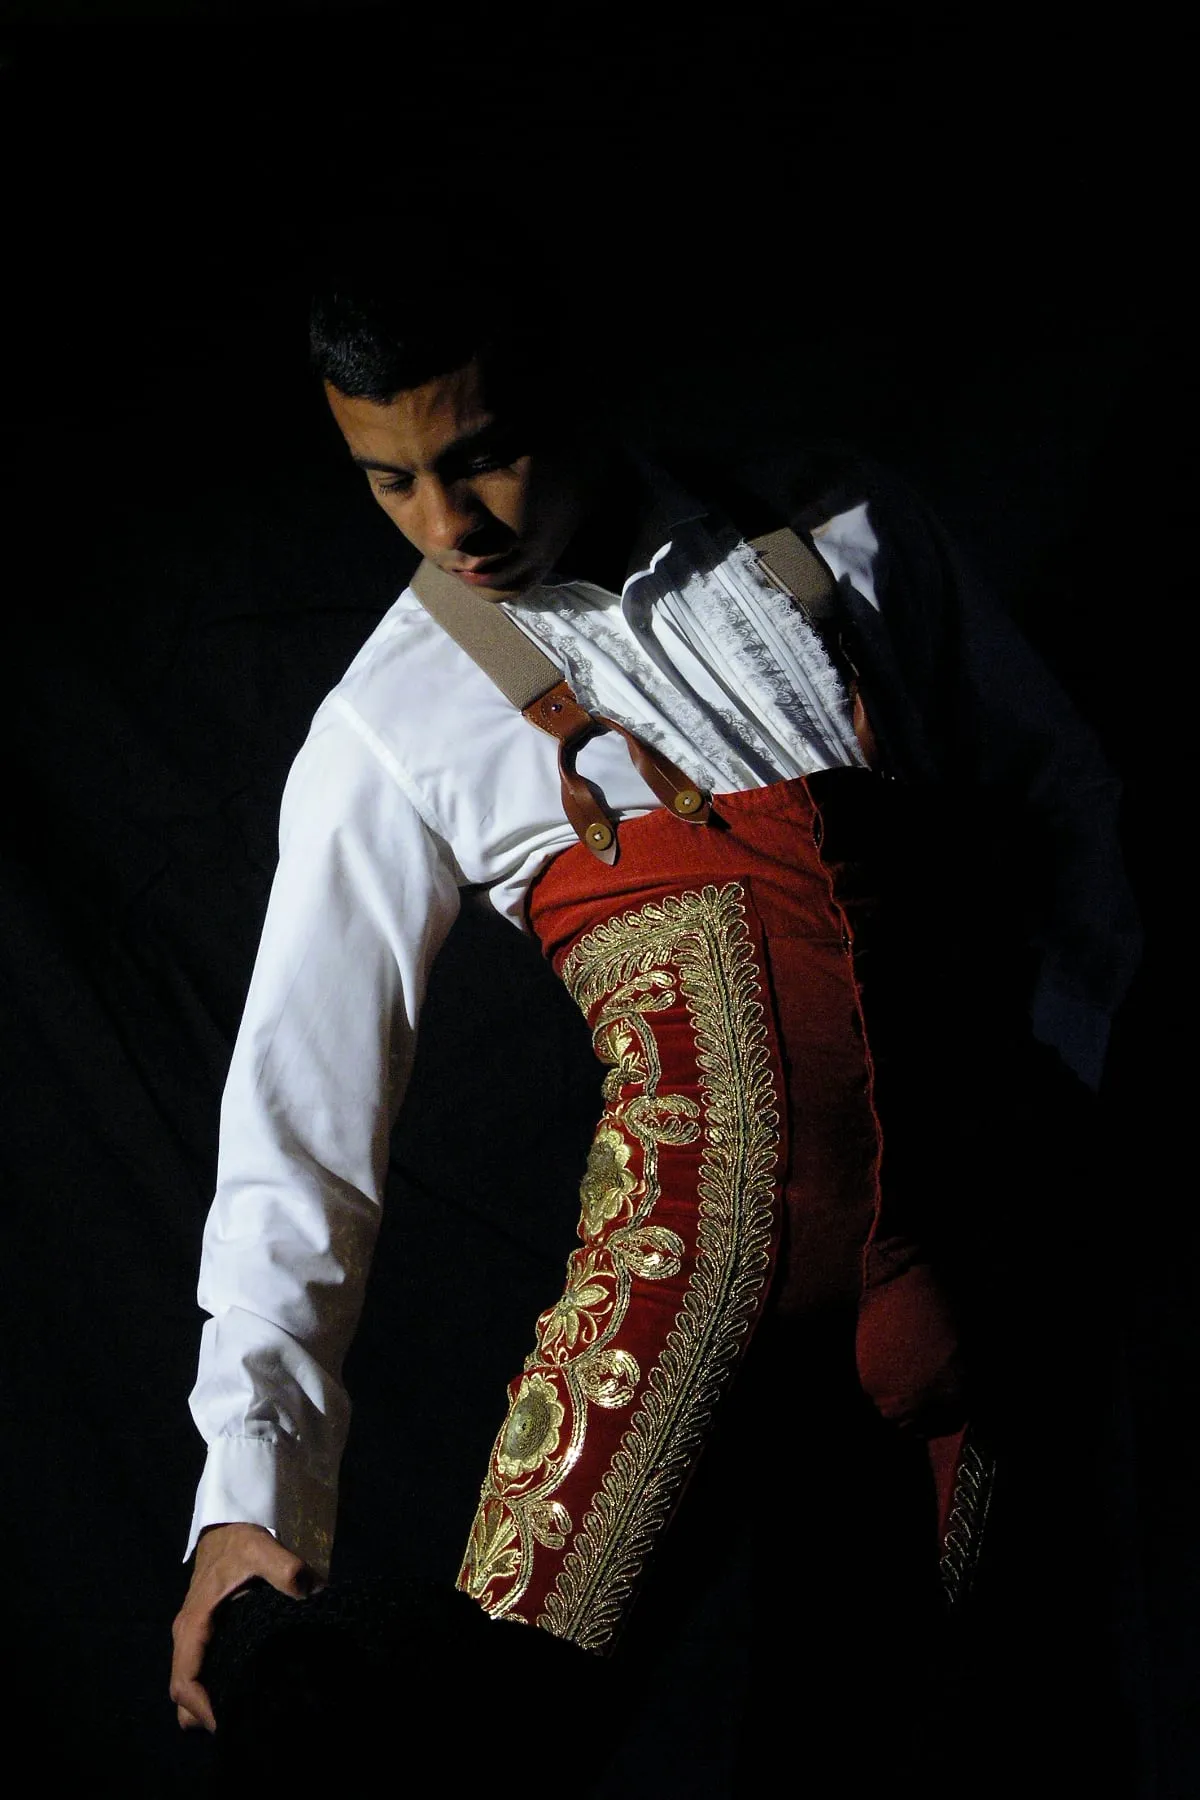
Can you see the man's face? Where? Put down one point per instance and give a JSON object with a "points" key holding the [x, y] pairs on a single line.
{"points": [[471, 489]]}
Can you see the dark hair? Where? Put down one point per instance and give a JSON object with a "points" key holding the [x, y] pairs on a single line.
{"points": [[380, 323], [371, 344]]}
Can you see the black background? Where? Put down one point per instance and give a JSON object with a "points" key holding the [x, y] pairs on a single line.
{"points": [[944, 245]]}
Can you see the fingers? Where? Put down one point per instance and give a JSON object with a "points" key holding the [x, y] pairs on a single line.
{"points": [[193, 1708], [191, 1630], [227, 1557]]}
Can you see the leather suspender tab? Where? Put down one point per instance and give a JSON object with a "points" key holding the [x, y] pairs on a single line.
{"points": [[559, 713]]}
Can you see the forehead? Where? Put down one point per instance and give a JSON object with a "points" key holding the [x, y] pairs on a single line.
{"points": [[420, 424]]}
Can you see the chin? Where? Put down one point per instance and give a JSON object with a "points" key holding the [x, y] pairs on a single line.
{"points": [[513, 586]]}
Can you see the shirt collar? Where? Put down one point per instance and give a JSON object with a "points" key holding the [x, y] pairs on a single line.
{"points": [[669, 505]]}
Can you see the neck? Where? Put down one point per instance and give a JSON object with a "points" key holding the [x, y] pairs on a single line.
{"points": [[600, 549]]}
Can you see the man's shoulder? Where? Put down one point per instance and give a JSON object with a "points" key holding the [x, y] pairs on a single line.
{"points": [[415, 703], [386, 655], [399, 671]]}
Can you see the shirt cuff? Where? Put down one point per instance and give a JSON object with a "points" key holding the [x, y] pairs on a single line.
{"points": [[260, 1481]]}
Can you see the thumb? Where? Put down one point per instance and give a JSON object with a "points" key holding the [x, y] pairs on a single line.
{"points": [[292, 1576], [302, 1583]]}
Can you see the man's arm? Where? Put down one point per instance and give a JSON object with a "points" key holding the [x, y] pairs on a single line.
{"points": [[362, 900]]}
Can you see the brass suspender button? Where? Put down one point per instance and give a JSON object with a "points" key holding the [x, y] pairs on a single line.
{"points": [[687, 801], [599, 836]]}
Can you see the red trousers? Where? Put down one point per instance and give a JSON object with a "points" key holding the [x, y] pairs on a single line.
{"points": [[734, 976]]}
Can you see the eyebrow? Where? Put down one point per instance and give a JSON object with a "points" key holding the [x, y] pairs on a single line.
{"points": [[462, 446]]}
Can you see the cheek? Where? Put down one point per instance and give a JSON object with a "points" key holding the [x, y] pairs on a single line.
{"points": [[506, 496], [551, 506], [397, 513]]}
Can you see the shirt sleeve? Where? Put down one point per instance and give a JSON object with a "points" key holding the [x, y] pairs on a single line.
{"points": [[363, 897]]}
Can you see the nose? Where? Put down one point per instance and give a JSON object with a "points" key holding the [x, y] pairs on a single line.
{"points": [[449, 514]]}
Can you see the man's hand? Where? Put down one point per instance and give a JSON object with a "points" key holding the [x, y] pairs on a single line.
{"points": [[227, 1557]]}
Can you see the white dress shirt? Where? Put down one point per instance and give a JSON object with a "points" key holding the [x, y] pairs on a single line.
{"points": [[419, 778]]}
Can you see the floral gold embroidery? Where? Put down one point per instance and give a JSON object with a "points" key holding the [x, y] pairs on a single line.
{"points": [[493, 1552], [575, 1319], [617, 1045], [693, 948], [607, 1182], [532, 1428], [706, 938]]}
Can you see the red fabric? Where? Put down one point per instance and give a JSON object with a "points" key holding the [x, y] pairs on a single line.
{"points": [[768, 844], [808, 866], [525, 1563], [740, 1164]]}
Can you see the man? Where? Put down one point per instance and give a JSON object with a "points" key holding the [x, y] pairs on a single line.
{"points": [[420, 778]]}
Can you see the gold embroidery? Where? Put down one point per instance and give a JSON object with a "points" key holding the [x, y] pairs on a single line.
{"points": [[575, 1319], [696, 946], [551, 1523], [651, 1251], [607, 1183], [970, 1504], [706, 937], [610, 1377], [531, 1431], [493, 1552]]}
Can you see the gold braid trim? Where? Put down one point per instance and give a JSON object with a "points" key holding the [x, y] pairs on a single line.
{"points": [[706, 937], [576, 1363], [972, 1499]]}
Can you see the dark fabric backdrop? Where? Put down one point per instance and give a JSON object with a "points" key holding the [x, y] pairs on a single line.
{"points": [[943, 248]]}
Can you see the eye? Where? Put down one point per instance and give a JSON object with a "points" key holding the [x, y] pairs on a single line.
{"points": [[502, 453], [399, 484]]}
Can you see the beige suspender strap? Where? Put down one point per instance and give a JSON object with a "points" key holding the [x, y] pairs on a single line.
{"points": [[490, 638], [797, 569]]}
